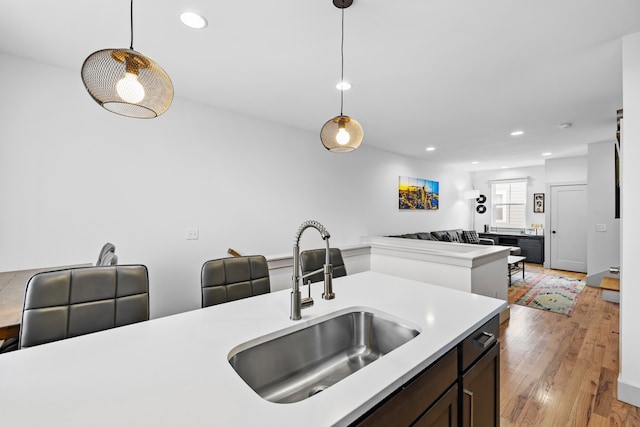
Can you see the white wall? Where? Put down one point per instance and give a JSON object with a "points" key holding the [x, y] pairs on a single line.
{"points": [[603, 247], [74, 176], [554, 171], [568, 169], [629, 378], [535, 184]]}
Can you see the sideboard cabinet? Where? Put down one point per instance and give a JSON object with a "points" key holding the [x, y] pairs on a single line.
{"points": [[531, 247]]}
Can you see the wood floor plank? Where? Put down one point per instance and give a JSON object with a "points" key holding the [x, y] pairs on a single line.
{"points": [[623, 415], [580, 413], [558, 370], [604, 395]]}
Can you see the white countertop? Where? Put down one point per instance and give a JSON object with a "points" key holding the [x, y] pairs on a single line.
{"points": [[451, 253], [175, 371]]}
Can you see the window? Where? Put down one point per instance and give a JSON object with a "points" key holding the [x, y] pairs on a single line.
{"points": [[509, 203]]}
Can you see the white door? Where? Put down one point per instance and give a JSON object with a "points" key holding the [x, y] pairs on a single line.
{"points": [[568, 228]]}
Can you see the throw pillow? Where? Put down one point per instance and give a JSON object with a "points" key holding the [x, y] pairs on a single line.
{"points": [[440, 236], [454, 237], [471, 236]]}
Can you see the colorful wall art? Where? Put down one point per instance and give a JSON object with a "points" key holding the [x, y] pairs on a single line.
{"points": [[417, 194]]}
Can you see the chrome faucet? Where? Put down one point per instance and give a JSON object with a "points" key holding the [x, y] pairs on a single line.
{"points": [[297, 302]]}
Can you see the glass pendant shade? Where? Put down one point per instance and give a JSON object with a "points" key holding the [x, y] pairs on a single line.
{"points": [[128, 83], [341, 134]]}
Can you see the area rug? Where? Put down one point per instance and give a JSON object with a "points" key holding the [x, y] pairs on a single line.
{"points": [[551, 293]]}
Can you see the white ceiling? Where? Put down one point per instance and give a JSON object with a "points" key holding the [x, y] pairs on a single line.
{"points": [[458, 75]]}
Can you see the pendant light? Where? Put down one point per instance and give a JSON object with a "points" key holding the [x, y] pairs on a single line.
{"points": [[126, 82], [342, 133]]}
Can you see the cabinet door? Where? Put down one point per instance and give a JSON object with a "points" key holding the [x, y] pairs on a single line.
{"points": [[481, 391], [444, 413], [532, 249], [414, 398]]}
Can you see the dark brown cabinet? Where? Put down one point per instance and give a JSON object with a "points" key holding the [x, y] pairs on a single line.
{"points": [[479, 395], [459, 389], [444, 413], [410, 402], [481, 391]]}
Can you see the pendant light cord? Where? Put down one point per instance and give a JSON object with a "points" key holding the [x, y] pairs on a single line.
{"points": [[341, 62], [131, 20]]}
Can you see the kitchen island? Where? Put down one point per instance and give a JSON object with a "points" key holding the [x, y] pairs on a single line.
{"points": [[175, 370]]}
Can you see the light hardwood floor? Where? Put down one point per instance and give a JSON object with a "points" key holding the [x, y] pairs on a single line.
{"points": [[562, 371]]}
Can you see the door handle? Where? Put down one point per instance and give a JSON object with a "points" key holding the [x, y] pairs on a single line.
{"points": [[484, 340], [553, 232], [470, 394]]}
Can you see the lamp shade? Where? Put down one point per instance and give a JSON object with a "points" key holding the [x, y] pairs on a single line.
{"points": [[128, 83], [471, 194], [341, 134]]}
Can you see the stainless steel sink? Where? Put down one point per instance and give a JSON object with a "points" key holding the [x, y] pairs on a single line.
{"points": [[299, 364]]}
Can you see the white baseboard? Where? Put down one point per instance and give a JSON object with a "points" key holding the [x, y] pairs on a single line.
{"points": [[594, 279], [628, 393], [505, 314], [611, 296]]}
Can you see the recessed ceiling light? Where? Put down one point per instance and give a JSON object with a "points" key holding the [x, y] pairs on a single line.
{"points": [[504, 167], [193, 20], [546, 154], [565, 125], [475, 162], [343, 86], [431, 148], [517, 133]]}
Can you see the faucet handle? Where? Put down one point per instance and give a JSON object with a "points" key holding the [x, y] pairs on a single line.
{"points": [[307, 302], [309, 287], [328, 282]]}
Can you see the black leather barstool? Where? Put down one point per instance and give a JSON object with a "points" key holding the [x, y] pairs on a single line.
{"points": [[230, 279], [314, 259], [77, 301]]}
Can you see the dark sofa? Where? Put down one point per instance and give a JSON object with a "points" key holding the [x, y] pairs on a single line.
{"points": [[456, 235]]}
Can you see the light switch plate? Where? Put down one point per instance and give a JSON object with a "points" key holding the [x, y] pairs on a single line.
{"points": [[192, 234], [601, 227]]}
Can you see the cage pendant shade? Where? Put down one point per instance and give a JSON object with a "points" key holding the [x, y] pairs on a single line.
{"points": [[341, 134], [128, 83]]}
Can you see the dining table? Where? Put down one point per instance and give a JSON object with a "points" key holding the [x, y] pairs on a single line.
{"points": [[12, 290]]}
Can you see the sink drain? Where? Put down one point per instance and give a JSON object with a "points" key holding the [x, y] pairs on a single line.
{"points": [[317, 390]]}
